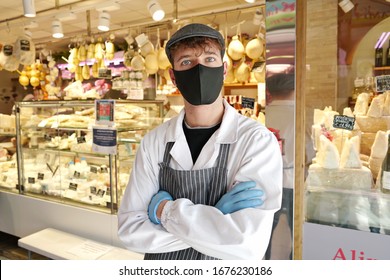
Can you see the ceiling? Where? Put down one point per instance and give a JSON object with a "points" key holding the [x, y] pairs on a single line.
{"points": [[132, 17]]}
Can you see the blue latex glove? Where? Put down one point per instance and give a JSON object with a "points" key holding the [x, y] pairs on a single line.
{"points": [[154, 203], [243, 195]]}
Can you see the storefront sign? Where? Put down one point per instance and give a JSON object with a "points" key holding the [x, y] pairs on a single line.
{"points": [[321, 242], [344, 122]]}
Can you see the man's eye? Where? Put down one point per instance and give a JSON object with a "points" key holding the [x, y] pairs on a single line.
{"points": [[186, 62], [210, 59]]}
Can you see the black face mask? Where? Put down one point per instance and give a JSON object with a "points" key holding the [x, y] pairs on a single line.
{"points": [[200, 85]]}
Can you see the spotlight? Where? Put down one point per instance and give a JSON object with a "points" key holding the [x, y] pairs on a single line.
{"points": [[56, 27], [346, 5], [29, 8], [104, 21], [250, 1], [155, 10]]}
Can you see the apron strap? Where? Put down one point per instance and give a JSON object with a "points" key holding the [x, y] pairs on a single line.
{"points": [[223, 155], [167, 157]]}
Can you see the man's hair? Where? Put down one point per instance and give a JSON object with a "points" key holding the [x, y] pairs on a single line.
{"points": [[195, 42], [280, 84]]}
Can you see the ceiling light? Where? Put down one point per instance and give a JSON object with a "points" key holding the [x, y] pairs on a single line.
{"points": [[155, 10], [29, 8], [56, 27], [250, 1], [346, 5], [104, 21]]}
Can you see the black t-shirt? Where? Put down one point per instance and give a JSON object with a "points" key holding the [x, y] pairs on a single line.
{"points": [[197, 138]]}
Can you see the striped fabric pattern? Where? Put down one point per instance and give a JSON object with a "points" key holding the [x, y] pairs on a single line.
{"points": [[204, 186]]}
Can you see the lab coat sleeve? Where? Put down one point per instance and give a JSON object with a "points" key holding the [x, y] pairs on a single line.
{"points": [[135, 230], [243, 234]]}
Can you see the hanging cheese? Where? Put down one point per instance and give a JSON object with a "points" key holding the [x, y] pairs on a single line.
{"points": [[82, 53], [91, 51], [137, 63], [86, 72], [151, 63], [110, 50], [8, 60], [254, 48], [242, 73], [163, 61], [147, 48], [228, 60], [236, 49], [24, 50]]}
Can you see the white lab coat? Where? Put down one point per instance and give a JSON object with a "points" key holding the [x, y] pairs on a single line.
{"points": [[254, 155]]}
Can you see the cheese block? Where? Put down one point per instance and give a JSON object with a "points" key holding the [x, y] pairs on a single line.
{"points": [[376, 107], [328, 156], [350, 157], [366, 142], [370, 124], [341, 178]]}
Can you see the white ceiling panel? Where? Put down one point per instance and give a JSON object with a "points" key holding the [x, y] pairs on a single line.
{"points": [[132, 16]]}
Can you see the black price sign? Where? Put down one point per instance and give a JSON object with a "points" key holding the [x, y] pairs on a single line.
{"points": [[248, 102], [344, 122], [73, 186], [382, 83], [104, 73], [41, 176]]}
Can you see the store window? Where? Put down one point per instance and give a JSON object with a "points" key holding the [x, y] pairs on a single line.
{"points": [[347, 82]]}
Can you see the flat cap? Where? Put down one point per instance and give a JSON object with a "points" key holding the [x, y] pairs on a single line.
{"points": [[194, 30]]}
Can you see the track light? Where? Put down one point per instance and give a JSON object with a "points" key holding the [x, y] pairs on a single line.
{"points": [[155, 10], [104, 21], [56, 27], [29, 8], [346, 5]]}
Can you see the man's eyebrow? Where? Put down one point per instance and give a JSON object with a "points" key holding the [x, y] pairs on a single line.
{"points": [[183, 56]]}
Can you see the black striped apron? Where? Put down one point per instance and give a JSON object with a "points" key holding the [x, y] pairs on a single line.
{"points": [[204, 186]]}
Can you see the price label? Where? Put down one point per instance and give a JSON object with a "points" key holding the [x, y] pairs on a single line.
{"points": [[344, 122], [92, 189], [73, 186], [31, 180], [41, 176], [248, 102], [382, 83]]}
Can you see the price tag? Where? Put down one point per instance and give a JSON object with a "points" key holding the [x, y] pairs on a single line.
{"points": [[76, 174], [31, 180], [382, 83], [92, 189], [81, 139], [100, 193], [41, 176], [248, 102], [344, 122], [94, 169], [73, 186]]}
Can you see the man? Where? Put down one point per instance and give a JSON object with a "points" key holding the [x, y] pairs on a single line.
{"points": [[205, 184], [280, 115]]}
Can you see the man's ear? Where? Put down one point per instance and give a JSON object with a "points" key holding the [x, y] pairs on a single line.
{"points": [[172, 75]]}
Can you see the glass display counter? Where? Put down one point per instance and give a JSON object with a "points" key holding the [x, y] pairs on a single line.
{"points": [[56, 158]]}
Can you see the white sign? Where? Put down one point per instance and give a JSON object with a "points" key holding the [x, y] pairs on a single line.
{"points": [[322, 242]]}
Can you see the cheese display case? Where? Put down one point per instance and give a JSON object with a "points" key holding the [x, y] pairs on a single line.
{"points": [[57, 160], [8, 171]]}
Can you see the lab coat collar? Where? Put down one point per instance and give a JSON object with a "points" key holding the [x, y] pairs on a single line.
{"points": [[226, 134]]}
